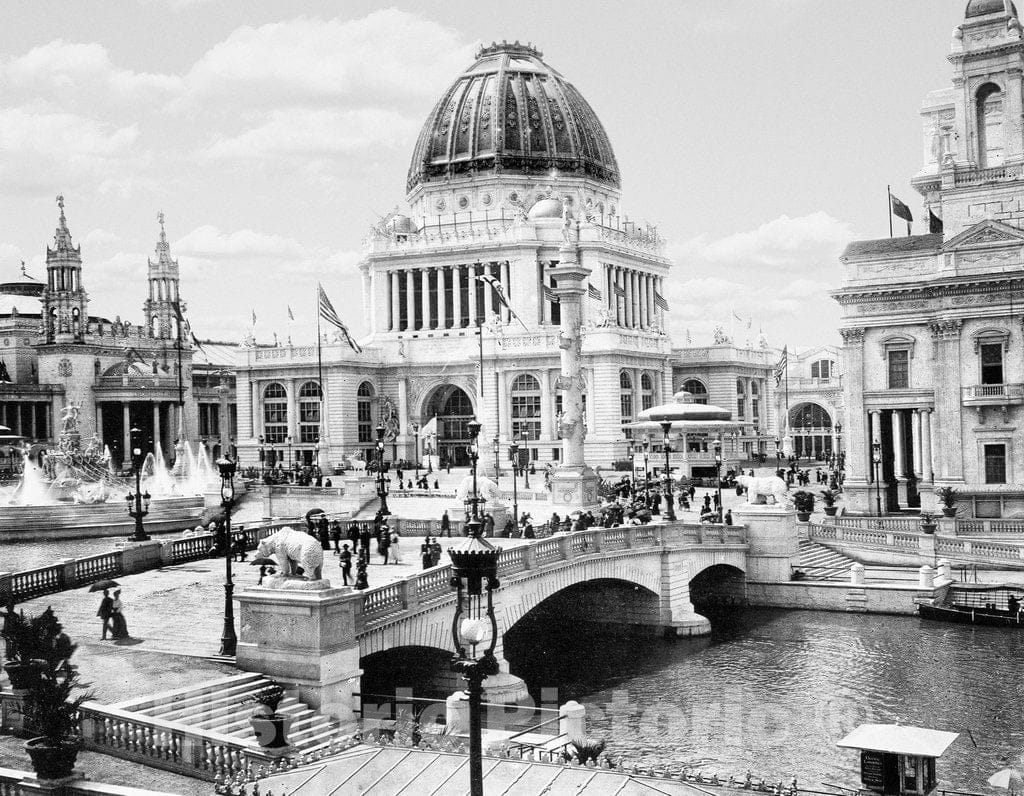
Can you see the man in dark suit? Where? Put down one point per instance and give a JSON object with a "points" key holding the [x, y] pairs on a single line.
{"points": [[106, 608]]}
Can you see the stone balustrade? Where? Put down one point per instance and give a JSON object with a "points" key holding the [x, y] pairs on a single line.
{"points": [[24, 783]]}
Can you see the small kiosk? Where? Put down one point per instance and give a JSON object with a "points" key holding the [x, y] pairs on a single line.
{"points": [[898, 760]]}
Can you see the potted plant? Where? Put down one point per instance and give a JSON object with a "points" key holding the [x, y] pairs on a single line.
{"points": [[927, 522], [948, 497], [271, 727], [828, 497], [25, 644], [50, 710], [803, 502]]}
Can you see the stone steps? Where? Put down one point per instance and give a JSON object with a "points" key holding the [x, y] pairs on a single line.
{"points": [[815, 559], [224, 707]]}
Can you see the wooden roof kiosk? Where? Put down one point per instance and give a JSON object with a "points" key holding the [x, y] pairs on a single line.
{"points": [[898, 760]]}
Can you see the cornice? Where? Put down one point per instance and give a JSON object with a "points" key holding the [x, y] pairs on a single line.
{"points": [[930, 290]]}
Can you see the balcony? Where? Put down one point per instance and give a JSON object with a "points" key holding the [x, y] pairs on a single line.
{"points": [[993, 394], [975, 176]]}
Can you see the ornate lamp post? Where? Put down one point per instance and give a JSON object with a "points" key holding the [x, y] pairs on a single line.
{"points": [[288, 461], [139, 500], [778, 453], [839, 443], [497, 458], [647, 476], [876, 461], [718, 477], [525, 467], [382, 482], [474, 632], [416, 463], [473, 427], [513, 456], [263, 457], [228, 639], [670, 512]]}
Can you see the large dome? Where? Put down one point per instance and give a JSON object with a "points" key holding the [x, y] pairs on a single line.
{"points": [[511, 112], [980, 8]]}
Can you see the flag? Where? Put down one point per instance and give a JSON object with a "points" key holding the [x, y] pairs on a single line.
{"points": [[618, 290], [659, 301], [499, 293], [291, 315], [737, 317], [549, 294], [328, 313], [781, 365], [254, 317], [594, 293], [750, 322], [900, 210], [934, 223]]}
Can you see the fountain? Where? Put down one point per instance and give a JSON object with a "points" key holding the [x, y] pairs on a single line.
{"points": [[74, 492]]}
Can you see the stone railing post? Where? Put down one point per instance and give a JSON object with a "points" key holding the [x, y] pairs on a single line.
{"points": [[68, 573], [629, 536], [5, 582], [572, 720], [926, 577], [926, 546], [565, 547], [839, 532], [410, 593], [595, 541], [944, 571], [529, 557], [857, 574], [947, 526]]}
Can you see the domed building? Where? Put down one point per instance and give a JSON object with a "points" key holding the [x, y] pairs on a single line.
{"points": [[512, 172]]}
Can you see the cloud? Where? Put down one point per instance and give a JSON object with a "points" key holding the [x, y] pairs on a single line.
{"points": [[209, 243], [776, 278]]}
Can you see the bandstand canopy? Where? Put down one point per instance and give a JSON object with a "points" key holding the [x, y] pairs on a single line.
{"points": [[687, 416]]}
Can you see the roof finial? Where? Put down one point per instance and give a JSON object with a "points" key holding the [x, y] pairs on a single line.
{"points": [[23, 268], [60, 202], [160, 218]]}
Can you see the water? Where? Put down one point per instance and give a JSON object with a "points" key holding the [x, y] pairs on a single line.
{"points": [[773, 691]]}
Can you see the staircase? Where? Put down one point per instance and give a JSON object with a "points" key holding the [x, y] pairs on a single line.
{"points": [[225, 705], [818, 562]]}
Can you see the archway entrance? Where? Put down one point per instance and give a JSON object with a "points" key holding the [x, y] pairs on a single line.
{"points": [[453, 410], [811, 429]]}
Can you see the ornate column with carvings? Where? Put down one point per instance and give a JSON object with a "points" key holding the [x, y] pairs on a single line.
{"points": [[457, 297], [410, 301], [915, 437], [856, 487], [948, 405], [393, 277], [573, 482], [425, 299]]}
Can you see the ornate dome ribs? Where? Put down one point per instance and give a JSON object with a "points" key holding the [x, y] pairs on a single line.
{"points": [[511, 112]]}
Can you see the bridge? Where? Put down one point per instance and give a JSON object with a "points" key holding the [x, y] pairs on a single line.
{"points": [[323, 642]]}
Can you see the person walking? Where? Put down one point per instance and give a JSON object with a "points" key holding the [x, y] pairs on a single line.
{"points": [[345, 561], [323, 532], [446, 525], [106, 608], [336, 536], [364, 540], [394, 548], [427, 553], [384, 541], [488, 524], [119, 627]]}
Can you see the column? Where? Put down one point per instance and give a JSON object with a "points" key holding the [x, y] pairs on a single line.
{"points": [[425, 297], [644, 318], [948, 402], [926, 445], [634, 284], [652, 310], [157, 439], [627, 286], [126, 419], [915, 441], [32, 431], [876, 436], [471, 283], [898, 458], [410, 302], [547, 406], [488, 294], [396, 290], [442, 299], [456, 296]]}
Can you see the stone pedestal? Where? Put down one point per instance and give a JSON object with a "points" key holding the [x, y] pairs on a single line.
{"points": [[774, 540], [574, 488], [139, 556], [304, 640]]}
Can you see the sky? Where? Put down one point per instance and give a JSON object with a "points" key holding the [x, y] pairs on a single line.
{"points": [[758, 135]]}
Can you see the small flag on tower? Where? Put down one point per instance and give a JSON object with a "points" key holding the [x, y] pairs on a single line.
{"points": [[254, 317], [329, 314], [659, 301], [900, 210], [594, 293], [934, 223], [781, 365], [291, 315]]}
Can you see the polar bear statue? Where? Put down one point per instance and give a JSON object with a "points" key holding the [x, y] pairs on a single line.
{"points": [[759, 488], [293, 549], [486, 489]]}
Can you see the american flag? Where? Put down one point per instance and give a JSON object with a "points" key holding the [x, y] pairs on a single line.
{"points": [[594, 293], [499, 293], [659, 301], [618, 290], [328, 313], [549, 294], [781, 365]]}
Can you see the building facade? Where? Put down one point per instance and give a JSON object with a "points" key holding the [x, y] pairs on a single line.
{"points": [[55, 354], [511, 165], [932, 324]]}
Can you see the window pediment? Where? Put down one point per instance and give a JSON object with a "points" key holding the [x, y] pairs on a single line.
{"points": [[991, 335], [897, 342]]}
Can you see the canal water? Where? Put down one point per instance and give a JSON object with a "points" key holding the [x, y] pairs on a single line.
{"points": [[772, 691]]}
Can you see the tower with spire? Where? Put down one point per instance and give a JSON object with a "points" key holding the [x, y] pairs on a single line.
{"points": [[65, 302], [164, 305]]}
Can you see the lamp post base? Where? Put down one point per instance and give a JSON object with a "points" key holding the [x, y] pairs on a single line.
{"points": [[228, 639], [575, 488]]}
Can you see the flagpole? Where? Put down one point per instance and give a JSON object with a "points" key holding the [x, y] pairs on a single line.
{"points": [[888, 201], [319, 368], [787, 397]]}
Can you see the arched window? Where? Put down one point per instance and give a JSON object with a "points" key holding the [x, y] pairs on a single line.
{"points": [[697, 390], [364, 412], [989, 113], [823, 369], [309, 412], [626, 400], [275, 413], [646, 391], [755, 402], [525, 403], [741, 400], [810, 416]]}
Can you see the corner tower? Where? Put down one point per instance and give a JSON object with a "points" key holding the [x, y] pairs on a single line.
{"points": [[65, 302], [159, 308]]}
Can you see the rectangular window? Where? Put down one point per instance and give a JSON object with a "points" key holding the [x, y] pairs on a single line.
{"points": [[995, 464], [899, 370], [992, 363]]}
